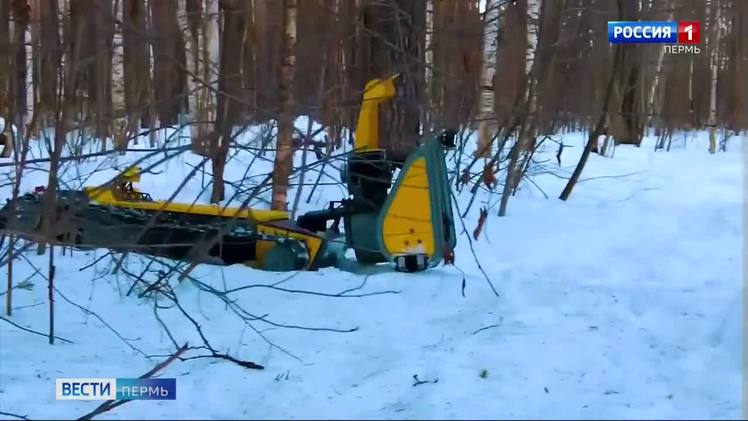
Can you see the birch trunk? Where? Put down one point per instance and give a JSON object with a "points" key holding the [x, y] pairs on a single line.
{"points": [[189, 14], [284, 148], [658, 73], [486, 121], [428, 113], [207, 55], [118, 81]]}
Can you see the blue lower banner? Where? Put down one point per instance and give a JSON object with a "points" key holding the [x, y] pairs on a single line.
{"points": [[105, 389]]}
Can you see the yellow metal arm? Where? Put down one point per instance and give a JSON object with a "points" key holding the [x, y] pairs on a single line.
{"points": [[376, 92], [124, 195]]}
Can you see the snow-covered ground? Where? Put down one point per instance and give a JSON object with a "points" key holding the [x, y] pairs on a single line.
{"points": [[624, 302]]}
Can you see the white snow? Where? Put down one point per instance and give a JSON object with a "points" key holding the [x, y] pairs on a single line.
{"points": [[625, 301]]}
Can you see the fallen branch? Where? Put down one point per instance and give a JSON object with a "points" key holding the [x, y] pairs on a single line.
{"points": [[485, 328], [107, 325], [245, 364], [21, 417], [46, 335], [420, 382]]}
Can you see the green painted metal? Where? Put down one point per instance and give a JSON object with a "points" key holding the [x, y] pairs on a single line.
{"points": [[361, 231], [286, 256], [442, 189], [332, 251], [440, 196]]}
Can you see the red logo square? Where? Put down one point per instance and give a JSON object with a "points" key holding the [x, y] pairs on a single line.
{"points": [[689, 32]]}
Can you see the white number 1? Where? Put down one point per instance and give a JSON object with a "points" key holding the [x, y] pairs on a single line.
{"points": [[689, 31]]}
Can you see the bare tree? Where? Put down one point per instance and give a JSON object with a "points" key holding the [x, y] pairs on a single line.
{"points": [[595, 132]]}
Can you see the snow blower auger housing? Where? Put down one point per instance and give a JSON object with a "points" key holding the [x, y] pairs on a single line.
{"points": [[408, 223]]}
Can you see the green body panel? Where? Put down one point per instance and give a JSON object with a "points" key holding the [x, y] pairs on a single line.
{"points": [[441, 187], [332, 251], [361, 235], [285, 257]]}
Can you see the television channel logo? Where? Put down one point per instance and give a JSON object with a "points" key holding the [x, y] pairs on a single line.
{"points": [[660, 32], [105, 389], [679, 37]]}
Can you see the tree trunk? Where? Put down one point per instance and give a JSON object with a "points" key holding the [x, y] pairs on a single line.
{"points": [[119, 119], [204, 110], [458, 40], [658, 75], [6, 59], [270, 29], [526, 135], [714, 70], [284, 148], [169, 79], [429, 113], [21, 14], [6, 71], [230, 83], [49, 60], [101, 89], [194, 12], [400, 118], [136, 65], [486, 121]]}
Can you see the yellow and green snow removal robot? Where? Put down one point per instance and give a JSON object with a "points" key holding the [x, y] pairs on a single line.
{"points": [[408, 223]]}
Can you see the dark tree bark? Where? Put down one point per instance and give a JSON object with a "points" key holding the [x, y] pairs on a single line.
{"points": [[457, 50], [249, 64], [21, 15], [269, 30], [511, 47], [79, 58], [50, 53], [5, 57], [100, 88], [626, 122], [194, 11], [394, 43], [136, 65], [317, 26], [169, 79], [230, 83], [333, 87], [6, 72]]}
